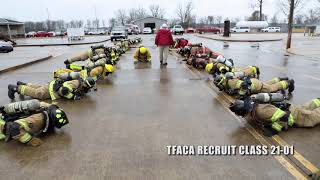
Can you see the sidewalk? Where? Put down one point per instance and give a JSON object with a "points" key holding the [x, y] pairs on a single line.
{"points": [[245, 37], [301, 45], [22, 56], [305, 46], [58, 41]]}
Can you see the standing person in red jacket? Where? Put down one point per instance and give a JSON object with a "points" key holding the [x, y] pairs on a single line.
{"points": [[164, 40]]}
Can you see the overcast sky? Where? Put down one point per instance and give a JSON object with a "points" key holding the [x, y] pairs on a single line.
{"points": [[36, 10]]}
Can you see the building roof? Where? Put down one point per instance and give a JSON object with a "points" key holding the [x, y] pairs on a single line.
{"points": [[309, 25], [149, 17], [4, 21]]}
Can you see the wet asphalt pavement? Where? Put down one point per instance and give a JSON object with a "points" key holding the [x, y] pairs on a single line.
{"points": [[122, 130]]}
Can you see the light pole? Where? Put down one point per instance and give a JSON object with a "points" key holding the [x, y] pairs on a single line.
{"points": [[9, 30], [95, 14]]}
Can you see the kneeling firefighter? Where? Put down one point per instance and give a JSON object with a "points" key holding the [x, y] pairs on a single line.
{"points": [[56, 89], [24, 120], [180, 43], [248, 86], [142, 54], [275, 114]]}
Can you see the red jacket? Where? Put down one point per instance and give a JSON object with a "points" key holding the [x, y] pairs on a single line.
{"points": [[164, 38]]}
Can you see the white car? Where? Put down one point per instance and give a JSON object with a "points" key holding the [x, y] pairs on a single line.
{"points": [[118, 32], [177, 29], [240, 29], [30, 34], [136, 29], [147, 30], [271, 29]]}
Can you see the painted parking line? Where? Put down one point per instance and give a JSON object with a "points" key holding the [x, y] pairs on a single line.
{"points": [[297, 155], [312, 168], [312, 77], [281, 159]]}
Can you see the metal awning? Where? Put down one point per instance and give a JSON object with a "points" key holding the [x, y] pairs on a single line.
{"points": [[4, 21]]}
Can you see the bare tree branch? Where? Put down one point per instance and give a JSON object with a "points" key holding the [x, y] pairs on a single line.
{"points": [[156, 11], [121, 16], [258, 4], [284, 6], [185, 13], [141, 13]]}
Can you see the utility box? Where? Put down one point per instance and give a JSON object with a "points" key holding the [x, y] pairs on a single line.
{"points": [[226, 32]]}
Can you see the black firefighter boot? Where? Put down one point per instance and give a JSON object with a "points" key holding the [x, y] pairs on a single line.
{"points": [[12, 89], [19, 83], [291, 85], [283, 78]]}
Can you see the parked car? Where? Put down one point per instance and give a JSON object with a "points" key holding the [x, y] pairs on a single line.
{"points": [[42, 34], [191, 30], [59, 33], [5, 47], [177, 29], [271, 29], [136, 29], [240, 29], [118, 32], [75, 33], [30, 34], [129, 28], [147, 30], [208, 30], [51, 34]]}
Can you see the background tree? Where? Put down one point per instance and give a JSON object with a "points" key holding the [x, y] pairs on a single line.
{"points": [[288, 7], [60, 26], [112, 22], [235, 19], [259, 4], [210, 20], [184, 13], [121, 16], [312, 17], [274, 20], [103, 23], [285, 5], [219, 19], [132, 15], [255, 16], [299, 19], [141, 12], [156, 11], [88, 23]]}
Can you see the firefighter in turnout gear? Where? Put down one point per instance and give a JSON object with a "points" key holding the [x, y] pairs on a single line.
{"points": [[97, 66], [275, 114], [248, 86], [200, 61], [95, 53], [89, 54], [98, 69], [216, 68], [72, 89], [24, 120], [142, 54]]}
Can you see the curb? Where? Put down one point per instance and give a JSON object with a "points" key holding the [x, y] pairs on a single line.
{"points": [[24, 64], [61, 44], [233, 40]]}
